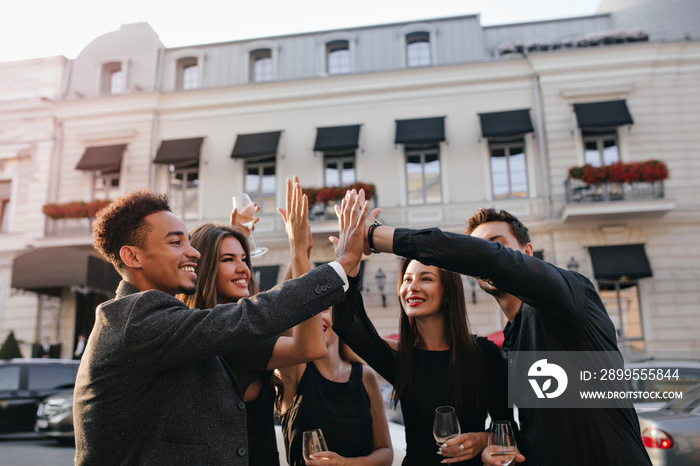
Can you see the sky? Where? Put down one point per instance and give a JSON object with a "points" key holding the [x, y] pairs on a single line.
{"points": [[45, 28]]}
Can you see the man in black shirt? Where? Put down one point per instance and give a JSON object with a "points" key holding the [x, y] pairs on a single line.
{"points": [[548, 309]]}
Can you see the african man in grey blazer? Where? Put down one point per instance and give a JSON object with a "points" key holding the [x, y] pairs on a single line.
{"points": [[151, 388]]}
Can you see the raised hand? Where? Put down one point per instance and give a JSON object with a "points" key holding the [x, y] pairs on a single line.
{"points": [[296, 219], [352, 215]]}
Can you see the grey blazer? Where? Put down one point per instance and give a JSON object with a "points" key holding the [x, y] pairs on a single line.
{"points": [[151, 389]]}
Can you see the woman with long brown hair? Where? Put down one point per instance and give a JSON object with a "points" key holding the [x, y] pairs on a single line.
{"points": [[224, 275], [436, 361]]}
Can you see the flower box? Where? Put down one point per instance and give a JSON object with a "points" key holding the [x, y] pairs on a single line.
{"points": [[620, 172], [74, 209]]}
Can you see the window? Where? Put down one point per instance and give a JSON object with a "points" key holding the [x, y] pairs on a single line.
{"points": [[418, 49], [261, 68], [261, 182], [51, 377], [187, 73], [106, 185], [623, 305], [508, 170], [112, 78], [600, 148], [9, 378], [339, 170], [338, 57], [5, 192], [423, 176], [183, 191]]}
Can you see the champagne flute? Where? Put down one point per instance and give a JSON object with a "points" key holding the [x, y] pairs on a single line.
{"points": [[503, 441], [313, 443], [446, 424], [246, 215]]}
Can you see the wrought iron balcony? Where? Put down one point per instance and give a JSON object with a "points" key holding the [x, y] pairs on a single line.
{"points": [[594, 201], [579, 191]]}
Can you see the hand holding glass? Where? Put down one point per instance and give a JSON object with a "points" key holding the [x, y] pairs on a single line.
{"points": [[246, 215], [313, 443], [446, 424], [503, 441]]}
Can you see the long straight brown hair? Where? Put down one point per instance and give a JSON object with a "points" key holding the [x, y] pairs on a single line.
{"points": [[467, 376], [207, 239]]}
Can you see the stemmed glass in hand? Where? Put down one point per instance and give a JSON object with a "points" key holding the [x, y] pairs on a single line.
{"points": [[503, 441], [246, 215], [313, 442], [446, 424]]}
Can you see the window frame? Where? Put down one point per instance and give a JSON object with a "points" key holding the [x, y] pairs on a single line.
{"points": [[599, 139], [108, 71], [182, 65], [183, 210], [414, 38], [339, 45], [507, 146], [263, 53], [339, 158], [106, 187], [265, 200], [422, 152]]}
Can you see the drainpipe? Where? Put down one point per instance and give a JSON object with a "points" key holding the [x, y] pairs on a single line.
{"points": [[541, 141]]}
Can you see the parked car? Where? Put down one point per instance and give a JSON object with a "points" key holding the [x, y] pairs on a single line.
{"points": [[54, 417], [688, 375], [24, 383], [671, 435]]}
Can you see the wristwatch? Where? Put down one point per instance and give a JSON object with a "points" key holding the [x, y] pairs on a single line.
{"points": [[370, 236]]}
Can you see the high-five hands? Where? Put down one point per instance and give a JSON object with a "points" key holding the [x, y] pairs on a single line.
{"points": [[352, 215]]}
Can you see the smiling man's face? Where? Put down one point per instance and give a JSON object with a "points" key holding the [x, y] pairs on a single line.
{"points": [[169, 260]]}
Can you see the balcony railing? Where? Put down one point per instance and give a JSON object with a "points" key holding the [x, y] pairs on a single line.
{"points": [[69, 226], [578, 191]]}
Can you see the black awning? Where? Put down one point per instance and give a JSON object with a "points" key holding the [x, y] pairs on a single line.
{"points": [[266, 276], [420, 131], [600, 116], [47, 270], [102, 158], [179, 151], [337, 138], [620, 263], [506, 124], [256, 145]]}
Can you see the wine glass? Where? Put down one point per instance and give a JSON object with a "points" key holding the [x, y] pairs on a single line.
{"points": [[446, 424], [313, 443], [246, 215], [502, 438]]}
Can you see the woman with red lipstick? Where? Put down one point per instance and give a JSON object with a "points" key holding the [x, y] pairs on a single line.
{"points": [[224, 275], [436, 362]]}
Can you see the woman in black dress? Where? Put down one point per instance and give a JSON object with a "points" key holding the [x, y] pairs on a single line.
{"points": [[341, 397], [436, 362]]}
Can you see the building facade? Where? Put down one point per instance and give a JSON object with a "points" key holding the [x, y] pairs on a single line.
{"points": [[442, 116]]}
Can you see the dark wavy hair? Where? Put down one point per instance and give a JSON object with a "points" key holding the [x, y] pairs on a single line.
{"points": [[207, 240], [122, 223], [468, 380], [483, 215]]}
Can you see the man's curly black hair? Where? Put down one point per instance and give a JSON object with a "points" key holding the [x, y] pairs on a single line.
{"points": [[122, 223]]}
